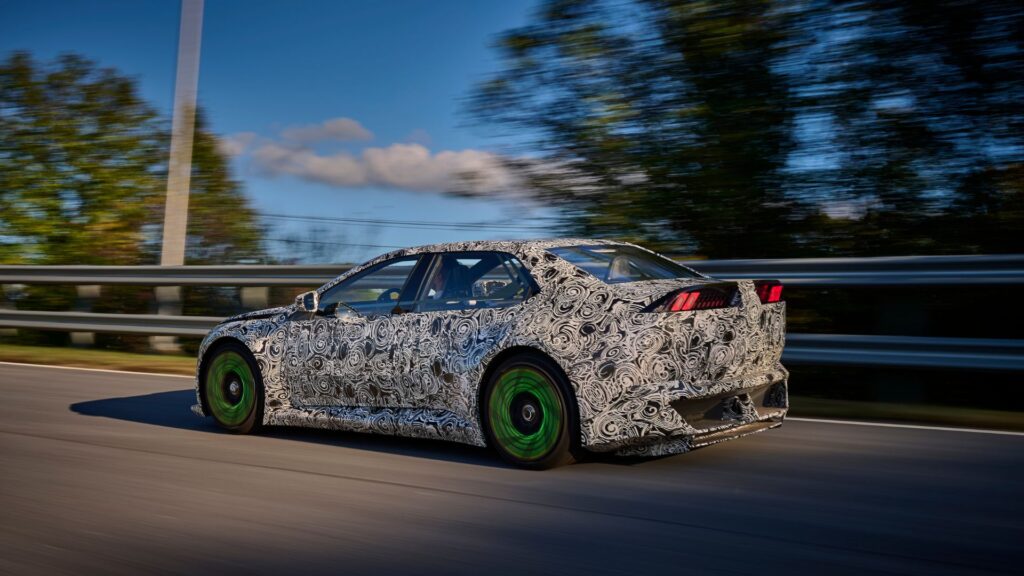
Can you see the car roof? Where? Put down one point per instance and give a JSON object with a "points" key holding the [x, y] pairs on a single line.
{"points": [[516, 247], [505, 245]]}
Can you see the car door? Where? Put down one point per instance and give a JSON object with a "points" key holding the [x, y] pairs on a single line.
{"points": [[351, 352], [467, 304]]}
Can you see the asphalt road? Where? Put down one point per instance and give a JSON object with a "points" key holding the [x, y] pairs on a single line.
{"points": [[108, 473]]}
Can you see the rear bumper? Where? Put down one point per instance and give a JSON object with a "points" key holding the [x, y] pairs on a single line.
{"points": [[680, 444], [690, 421]]}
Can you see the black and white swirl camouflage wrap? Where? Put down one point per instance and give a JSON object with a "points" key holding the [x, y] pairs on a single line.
{"points": [[419, 374]]}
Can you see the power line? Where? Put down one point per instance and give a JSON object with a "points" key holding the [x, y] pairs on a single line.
{"points": [[421, 224], [328, 243], [406, 223]]}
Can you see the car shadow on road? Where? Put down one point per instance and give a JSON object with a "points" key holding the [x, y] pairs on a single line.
{"points": [[172, 409]]}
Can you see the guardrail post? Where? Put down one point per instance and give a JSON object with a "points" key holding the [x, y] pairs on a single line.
{"points": [[168, 302], [255, 297], [86, 294], [6, 304]]}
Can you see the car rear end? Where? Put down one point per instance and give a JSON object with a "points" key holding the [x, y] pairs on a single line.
{"points": [[698, 363], [727, 339], [717, 374]]}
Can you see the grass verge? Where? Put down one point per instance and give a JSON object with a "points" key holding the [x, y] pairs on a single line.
{"points": [[92, 358], [905, 413], [799, 406]]}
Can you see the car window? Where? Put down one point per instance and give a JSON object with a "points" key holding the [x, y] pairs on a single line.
{"points": [[615, 264], [373, 291], [468, 280]]}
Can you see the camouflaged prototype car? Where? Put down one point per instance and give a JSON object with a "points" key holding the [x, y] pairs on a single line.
{"points": [[541, 349]]}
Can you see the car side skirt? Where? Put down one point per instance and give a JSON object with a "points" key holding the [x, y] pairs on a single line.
{"points": [[408, 422]]}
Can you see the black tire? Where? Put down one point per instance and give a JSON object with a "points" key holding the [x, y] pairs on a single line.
{"points": [[227, 364], [529, 413]]}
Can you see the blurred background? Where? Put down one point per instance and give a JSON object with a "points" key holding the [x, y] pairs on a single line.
{"points": [[330, 132]]}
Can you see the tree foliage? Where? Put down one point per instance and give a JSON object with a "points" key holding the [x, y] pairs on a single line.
{"points": [[741, 128], [83, 173], [80, 164], [222, 226]]}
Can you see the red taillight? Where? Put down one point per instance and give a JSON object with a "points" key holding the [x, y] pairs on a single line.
{"points": [[684, 301], [703, 298], [769, 291]]}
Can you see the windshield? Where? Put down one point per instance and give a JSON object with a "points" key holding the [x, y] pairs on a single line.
{"points": [[615, 264]]}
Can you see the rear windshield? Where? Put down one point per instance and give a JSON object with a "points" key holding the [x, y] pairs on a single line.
{"points": [[616, 264]]}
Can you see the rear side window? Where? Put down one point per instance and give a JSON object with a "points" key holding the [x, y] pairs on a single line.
{"points": [[469, 280], [615, 264]]}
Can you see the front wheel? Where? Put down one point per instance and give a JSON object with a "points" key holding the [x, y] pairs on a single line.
{"points": [[527, 413], [233, 389]]}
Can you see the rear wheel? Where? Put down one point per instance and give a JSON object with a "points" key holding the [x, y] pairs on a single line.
{"points": [[233, 389], [527, 413]]}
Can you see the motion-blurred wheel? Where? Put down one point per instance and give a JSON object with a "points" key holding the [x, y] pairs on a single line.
{"points": [[232, 389], [527, 413]]}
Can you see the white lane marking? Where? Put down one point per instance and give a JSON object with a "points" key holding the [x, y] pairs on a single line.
{"points": [[913, 426], [793, 418], [96, 369]]}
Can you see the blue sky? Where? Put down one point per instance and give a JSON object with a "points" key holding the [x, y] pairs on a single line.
{"points": [[393, 76]]}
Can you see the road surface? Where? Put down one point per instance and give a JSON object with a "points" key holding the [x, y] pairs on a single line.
{"points": [[109, 473]]}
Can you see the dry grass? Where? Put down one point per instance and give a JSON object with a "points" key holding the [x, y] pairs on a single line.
{"points": [[906, 413], [92, 358]]}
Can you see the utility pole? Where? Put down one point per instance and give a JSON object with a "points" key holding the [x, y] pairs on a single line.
{"points": [[183, 123], [179, 167]]}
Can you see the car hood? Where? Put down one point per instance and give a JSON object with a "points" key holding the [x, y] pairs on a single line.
{"points": [[260, 314]]}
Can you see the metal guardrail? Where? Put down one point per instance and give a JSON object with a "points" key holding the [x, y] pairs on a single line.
{"points": [[883, 271], [235, 275], [816, 349], [880, 271], [906, 351], [145, 324]]}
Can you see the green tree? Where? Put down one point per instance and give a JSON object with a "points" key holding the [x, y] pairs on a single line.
{"points": [[745, 128], [660, 121], [926, 106], [81, 159], [83, 173], [222, 226], [83, 181]]}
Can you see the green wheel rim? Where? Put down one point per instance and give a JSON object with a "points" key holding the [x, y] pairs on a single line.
{"points": [[230, 388], [525, 412]]}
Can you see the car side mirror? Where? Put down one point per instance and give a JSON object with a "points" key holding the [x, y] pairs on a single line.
{"points": [[308, 301]]}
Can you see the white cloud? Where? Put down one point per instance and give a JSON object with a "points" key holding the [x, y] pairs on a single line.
{"points": [[339, 169], [235, 144], [339, 129], [409, 165], [403, 166]]}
